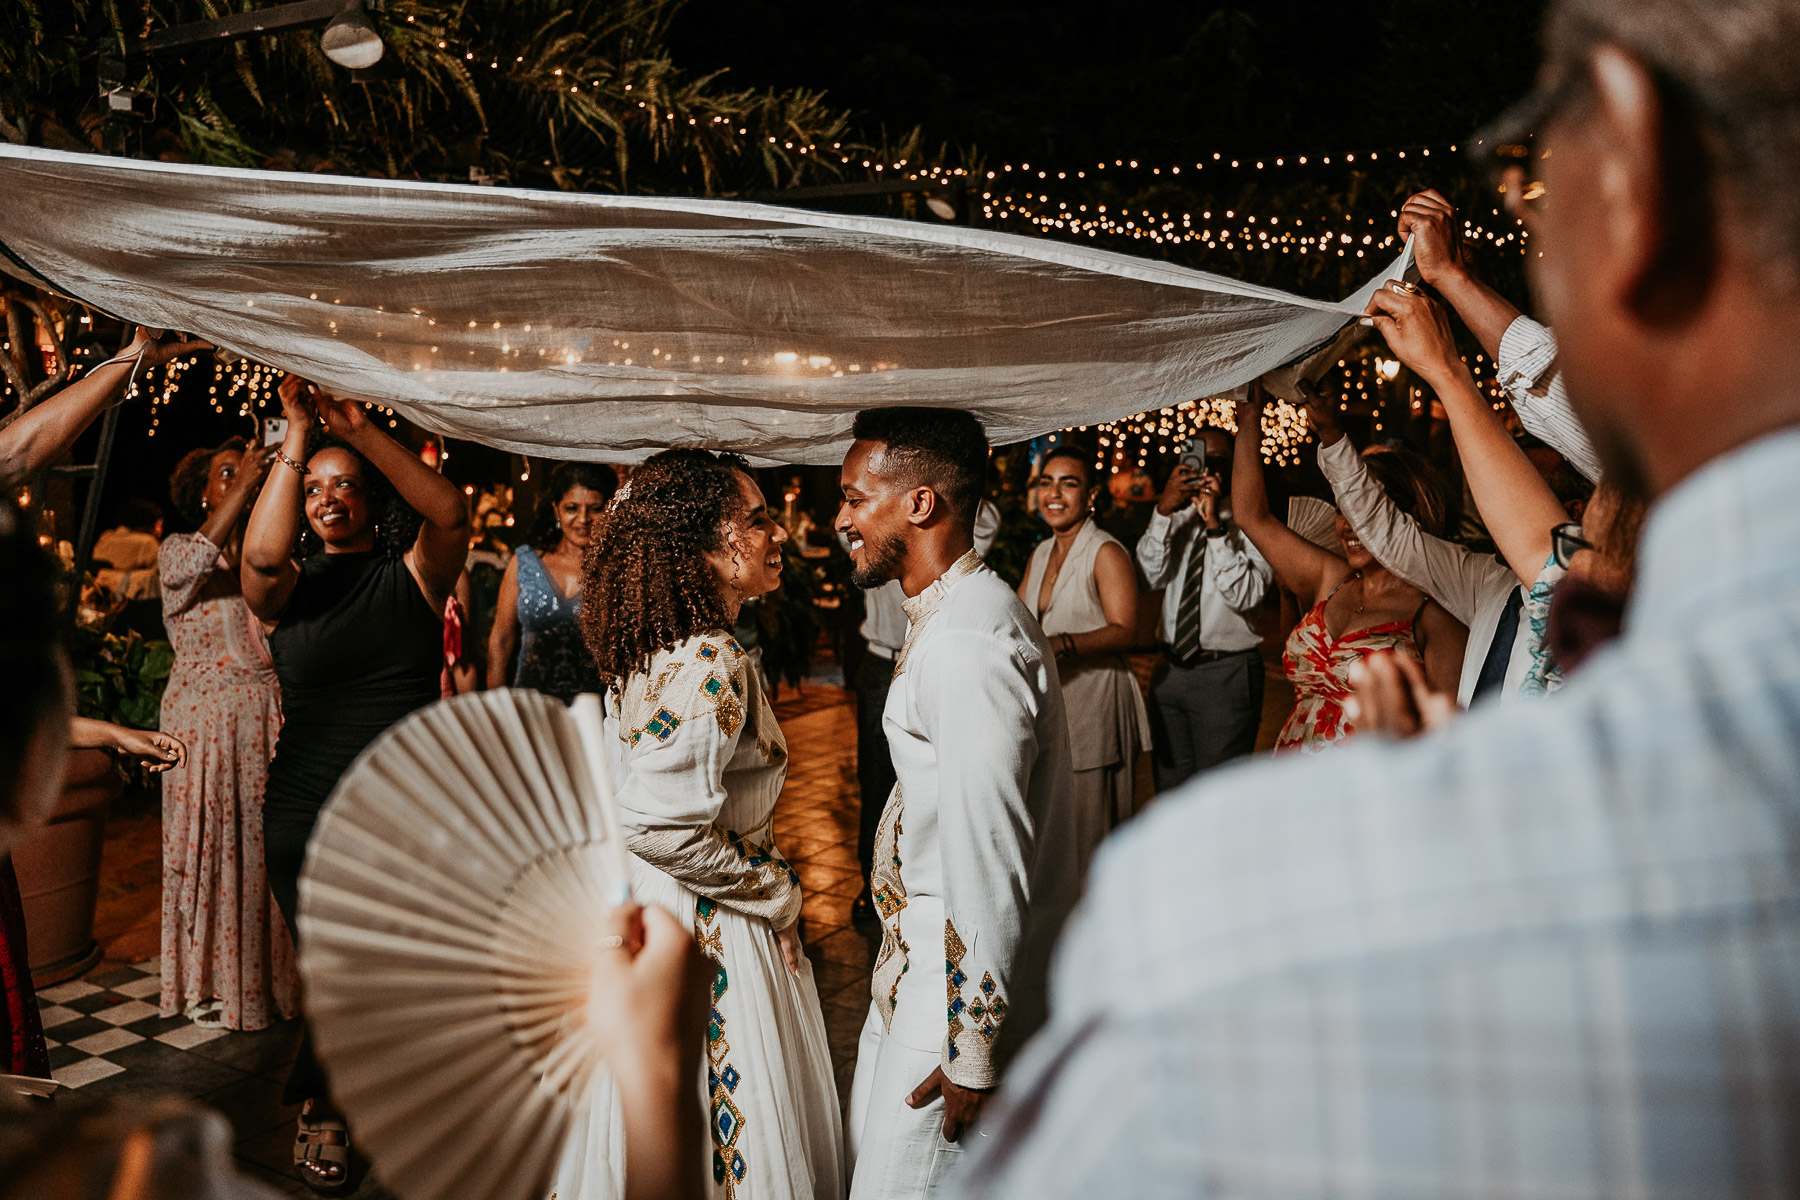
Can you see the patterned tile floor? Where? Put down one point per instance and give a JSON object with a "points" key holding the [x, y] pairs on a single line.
{"points": [[106, 1038]]}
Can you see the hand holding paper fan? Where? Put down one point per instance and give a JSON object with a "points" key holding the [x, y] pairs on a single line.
{"points": [[450, 917]]}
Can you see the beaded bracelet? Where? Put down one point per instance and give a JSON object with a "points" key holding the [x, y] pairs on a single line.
{"points": [[298, 469]]}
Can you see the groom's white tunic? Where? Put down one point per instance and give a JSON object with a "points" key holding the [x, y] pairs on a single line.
{"points": [[975, 868]]}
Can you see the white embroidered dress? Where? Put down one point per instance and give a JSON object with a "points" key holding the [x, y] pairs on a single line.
{"points": [[702, 764]]}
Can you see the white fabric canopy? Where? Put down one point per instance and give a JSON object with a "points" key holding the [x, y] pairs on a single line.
{"points": [[602, 327]]}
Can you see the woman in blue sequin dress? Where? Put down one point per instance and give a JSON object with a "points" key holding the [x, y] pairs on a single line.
{"points": [[536, 639]]}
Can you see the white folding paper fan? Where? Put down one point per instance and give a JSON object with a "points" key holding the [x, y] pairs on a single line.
{"points": [[1316, 521], [450, 914]]}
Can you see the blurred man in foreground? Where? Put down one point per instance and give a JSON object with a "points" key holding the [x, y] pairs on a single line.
{"points": [[1553, 949]]}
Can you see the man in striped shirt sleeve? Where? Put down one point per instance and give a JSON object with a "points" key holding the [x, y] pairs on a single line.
{"points": [[1523, 351]]}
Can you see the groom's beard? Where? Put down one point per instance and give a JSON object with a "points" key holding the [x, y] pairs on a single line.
{"points": [[881, 561]]}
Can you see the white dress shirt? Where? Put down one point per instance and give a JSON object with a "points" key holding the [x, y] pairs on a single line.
{"points": [[884, 612], [1550, 951], [1526, 367], [1234, 577]]}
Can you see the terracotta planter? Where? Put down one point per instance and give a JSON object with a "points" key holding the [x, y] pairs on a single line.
{"points": [[59, 870]]}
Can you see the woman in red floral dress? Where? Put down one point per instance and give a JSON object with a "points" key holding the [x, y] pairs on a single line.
{"points": [[1357, 606], [227, 959]]}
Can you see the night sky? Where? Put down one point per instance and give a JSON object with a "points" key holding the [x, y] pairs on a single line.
{"points": [[1060, 83]]}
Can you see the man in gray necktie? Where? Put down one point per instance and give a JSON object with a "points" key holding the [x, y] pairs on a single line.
{"points": [[1207, 699]]}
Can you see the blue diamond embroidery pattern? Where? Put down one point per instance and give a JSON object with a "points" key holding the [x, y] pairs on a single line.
{"points": [[662, 726], [728, 1166], [954, 978]]}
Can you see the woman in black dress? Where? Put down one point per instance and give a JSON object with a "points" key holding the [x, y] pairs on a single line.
{"points": [[358, 601]]}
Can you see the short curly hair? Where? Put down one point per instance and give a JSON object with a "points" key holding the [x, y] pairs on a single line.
{"points": [[944, 449], [396, 522], [187, 484], [646, 585]]}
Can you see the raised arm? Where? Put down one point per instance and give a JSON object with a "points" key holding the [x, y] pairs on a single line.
{"points": [[1523, 352], [442, 547], [503, 639], [40, 437], [1518, 506], [1156, 552], [1300, 566], [1453, 575], [266, 570], [246, 481], [1430, 220]]}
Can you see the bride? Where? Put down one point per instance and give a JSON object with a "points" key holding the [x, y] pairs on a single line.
{"points": [[683, 544]]}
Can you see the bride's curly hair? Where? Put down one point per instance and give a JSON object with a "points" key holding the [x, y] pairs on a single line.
{"points": [[646, 585]]}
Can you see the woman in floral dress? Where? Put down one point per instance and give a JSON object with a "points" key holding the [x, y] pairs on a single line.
{"points": [[227, 959], [1357, 606]]}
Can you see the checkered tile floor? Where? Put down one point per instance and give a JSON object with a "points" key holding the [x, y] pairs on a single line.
{"points": [[106, 1038], [107, 1023]]}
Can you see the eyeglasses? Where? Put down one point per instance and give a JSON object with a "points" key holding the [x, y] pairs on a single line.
{"points": [[1565, 541]]}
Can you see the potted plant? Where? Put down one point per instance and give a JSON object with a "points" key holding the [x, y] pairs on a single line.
{"points": [[118, 678]]}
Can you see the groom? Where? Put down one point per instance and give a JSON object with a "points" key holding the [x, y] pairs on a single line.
{"points": [[975, 865]]}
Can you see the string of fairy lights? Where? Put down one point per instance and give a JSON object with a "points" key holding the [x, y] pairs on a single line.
{"points": [[1137, 440], [249, 389], [560, 78], [1016, 195]]}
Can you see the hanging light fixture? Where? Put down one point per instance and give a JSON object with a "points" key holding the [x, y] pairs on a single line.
{"points": [[350, 40]]}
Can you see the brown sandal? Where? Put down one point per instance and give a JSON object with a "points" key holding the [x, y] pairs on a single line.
{"points": [[322, 1152]]}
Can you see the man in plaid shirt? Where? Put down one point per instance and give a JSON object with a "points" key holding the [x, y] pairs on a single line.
{"points": [[1553, 950]]}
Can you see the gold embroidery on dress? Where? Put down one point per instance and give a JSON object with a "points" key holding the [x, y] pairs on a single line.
{"points": [[722, 1079], [653, 692], [772, 752], [953, 984], [725, 703], [988, 1009], [889, 892]]}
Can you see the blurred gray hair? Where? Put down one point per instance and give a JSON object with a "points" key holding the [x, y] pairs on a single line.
{"points": [[1731, 68]]}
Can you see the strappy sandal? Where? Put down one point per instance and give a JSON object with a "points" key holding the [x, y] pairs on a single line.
{"points": [[207, 1014], [322, 1152]]}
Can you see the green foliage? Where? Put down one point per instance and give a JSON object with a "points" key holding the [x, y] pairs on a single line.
{"points": [[120, 677], [1020, 533], [572, 94]]}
